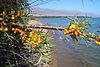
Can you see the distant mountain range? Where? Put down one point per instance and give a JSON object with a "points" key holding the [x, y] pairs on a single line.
{"points": [[51, 12]]}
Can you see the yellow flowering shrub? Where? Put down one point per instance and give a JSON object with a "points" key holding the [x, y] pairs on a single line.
{"points": [[15, 39], [79, 30]]}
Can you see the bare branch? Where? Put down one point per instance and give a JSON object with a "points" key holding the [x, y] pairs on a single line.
{"points": [[39, 60]]}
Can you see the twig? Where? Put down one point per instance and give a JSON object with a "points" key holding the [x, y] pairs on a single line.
{"points": [[39, 60], [18, 56], [16, 61], [22, 58]]}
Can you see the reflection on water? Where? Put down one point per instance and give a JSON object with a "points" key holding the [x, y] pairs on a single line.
{"points": [[90, 55]]}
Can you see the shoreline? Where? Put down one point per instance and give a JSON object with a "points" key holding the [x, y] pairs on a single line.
{"points": [[40, 16], [64, 56]]}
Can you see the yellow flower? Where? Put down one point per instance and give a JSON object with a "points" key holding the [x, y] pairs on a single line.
{"points": [[13, 29], [1, 19], [3, 12], [13, 23], [6, 29], [18, 14], [34, 45], [70, 30], [15, 15], [39, 41], [1, 29], [23, 14], [66, 31], [72, 26], [32, 33], [39, 36], [97, 42], [73, 34], [12, 17], [35, 40], [76, 33], [16, 30], [24, 38], [22, 33], [27, 41], [79, 31]]}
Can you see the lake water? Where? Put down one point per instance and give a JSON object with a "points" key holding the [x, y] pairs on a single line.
{"points": [[90, 55]]}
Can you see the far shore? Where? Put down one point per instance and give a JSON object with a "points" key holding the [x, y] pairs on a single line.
{"points": [[50, 16]]}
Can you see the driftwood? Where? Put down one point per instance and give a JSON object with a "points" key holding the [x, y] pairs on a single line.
{"points": [[97, 38], [46, 27]]}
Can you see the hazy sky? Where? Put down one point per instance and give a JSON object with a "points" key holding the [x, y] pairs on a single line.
{"points": [[88, 6]]}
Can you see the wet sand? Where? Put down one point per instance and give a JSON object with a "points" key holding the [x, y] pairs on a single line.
{"points": [[65, 57]]}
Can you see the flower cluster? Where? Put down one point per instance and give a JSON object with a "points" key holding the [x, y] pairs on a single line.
{"points": [[94, 38], [36, 39], [3, 29], [12, 17], [76, 28], [73, 30], [97, 42]]}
